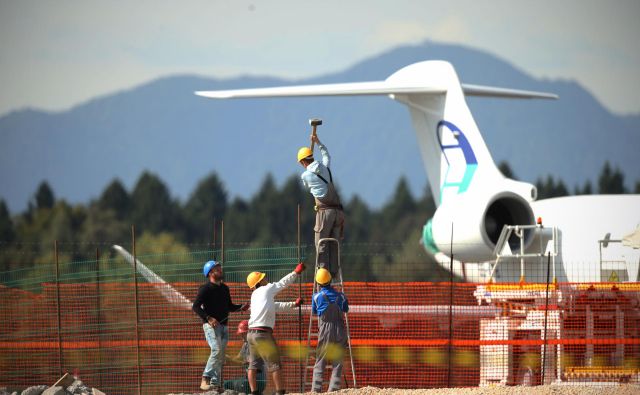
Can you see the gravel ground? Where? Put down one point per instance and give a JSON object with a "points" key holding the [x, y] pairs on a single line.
{"points": [[624, 389], [538, 390]]}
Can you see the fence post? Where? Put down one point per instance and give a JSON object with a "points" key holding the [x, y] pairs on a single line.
{"points": [[222, 241], [55, 252], [135, 284], [300, 366], [546, 313], [99, 314], [450, 349], [214, 239]]}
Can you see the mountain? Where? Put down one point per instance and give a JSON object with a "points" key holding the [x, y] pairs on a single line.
{"points": [[163, 127]]}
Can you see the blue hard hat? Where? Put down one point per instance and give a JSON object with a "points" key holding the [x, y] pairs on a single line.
{"points": [[208, 266]]}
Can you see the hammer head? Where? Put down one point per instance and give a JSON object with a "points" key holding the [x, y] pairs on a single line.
{"points": [[315, 121]]}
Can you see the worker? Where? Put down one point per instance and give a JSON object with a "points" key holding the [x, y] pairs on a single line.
{"points": [[329, 305], [329, 214], [262, 320], [241, 384], [213, 304]]}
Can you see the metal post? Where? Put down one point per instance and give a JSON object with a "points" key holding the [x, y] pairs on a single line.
{"points": [[589, 323], [214, 238], [222, 241], [520, 233], [619, 354], [555, 252], [300, 366], [55, 251], [99, 313], [546, 314], [135, 283], [450, 348]]}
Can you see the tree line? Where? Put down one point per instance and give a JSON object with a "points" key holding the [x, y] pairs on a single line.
{"points": [[268, 218]]}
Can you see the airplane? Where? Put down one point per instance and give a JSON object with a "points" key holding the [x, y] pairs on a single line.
{"points": [[484, 218]]}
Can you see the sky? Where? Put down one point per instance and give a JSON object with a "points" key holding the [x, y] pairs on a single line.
{"points": [[57, 54]]}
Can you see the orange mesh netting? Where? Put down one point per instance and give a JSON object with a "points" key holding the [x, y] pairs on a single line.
{"points": [[403, 335]]}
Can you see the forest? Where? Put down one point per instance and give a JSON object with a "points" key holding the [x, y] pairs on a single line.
{"points": [[162, 224]]}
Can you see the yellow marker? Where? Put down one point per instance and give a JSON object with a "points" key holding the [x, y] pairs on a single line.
{"points": [[433, 356], [399, 355], [530, 359], [466, 358], [367, 354], [266, 348], [599, 360], [297, 351], [567, 360], [335, 352], [631, 362]]}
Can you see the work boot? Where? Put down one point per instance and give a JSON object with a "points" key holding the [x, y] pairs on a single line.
{"points": [[204, 384]]}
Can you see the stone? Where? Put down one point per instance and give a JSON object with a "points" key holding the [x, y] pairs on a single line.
{"points": [[35, 390], [55, 390]]}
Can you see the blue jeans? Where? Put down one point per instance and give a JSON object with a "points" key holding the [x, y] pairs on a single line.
{"points": [[217, 338]]}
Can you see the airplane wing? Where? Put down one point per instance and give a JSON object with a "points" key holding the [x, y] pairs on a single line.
{"points": [[346, 89], [490, 91], [370, 88]]}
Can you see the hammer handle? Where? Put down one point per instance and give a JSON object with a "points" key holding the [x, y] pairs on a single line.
{"points": [[314, 134]]}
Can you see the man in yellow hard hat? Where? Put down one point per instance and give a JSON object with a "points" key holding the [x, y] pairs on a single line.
{"points": [[262, 345], [329, 305], [318, 180]]}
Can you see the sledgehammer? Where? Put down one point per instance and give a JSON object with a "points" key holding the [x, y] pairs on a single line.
{"points": [[314, 122]]}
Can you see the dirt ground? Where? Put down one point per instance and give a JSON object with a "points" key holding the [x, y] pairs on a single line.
{"points": [[626, 389]]}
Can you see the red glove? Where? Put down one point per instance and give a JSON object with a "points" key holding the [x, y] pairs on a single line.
{"points": [[299, 302], [245, 307], [300, 268]]}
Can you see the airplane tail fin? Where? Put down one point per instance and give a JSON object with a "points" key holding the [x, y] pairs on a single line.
{"points": [[454, 153]]}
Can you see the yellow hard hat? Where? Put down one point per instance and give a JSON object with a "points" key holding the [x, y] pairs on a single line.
{"points": [[323, 276], [304, 152], [254, 278]]}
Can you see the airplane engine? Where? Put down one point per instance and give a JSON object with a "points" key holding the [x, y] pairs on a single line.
{"points": [[470, 224]]}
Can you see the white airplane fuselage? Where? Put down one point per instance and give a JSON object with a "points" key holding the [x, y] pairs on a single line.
{"points": [[583, 222]]}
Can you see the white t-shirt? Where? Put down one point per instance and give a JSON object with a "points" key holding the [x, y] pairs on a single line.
{"points": [[263, 305]]}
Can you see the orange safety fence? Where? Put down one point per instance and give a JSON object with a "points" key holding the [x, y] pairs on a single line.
{"points": [[125, 339]]}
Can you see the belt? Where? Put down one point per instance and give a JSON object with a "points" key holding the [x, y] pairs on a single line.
{"points": [[258, 329], [325, 207]]}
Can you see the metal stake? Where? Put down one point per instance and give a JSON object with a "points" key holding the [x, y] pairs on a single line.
{"points": [[135, 283], [55, 251]]}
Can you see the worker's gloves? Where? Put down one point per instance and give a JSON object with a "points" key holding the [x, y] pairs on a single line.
{"points": [[299, 302], [300, 268], [245, 307]]}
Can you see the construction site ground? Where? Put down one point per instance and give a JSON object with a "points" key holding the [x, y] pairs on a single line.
{"points": [[537, 390], [624, 389]]}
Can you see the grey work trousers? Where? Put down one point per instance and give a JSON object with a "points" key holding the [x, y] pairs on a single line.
{"points": [[329, 223]]}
